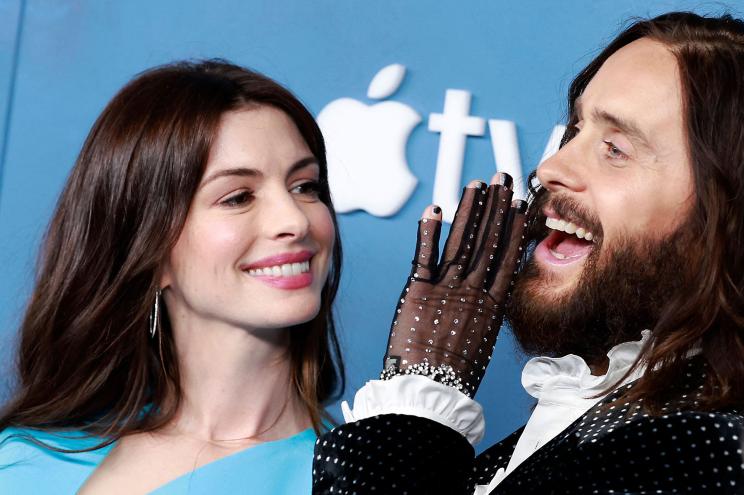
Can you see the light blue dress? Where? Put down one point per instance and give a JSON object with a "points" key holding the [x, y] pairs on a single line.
{"points": [[272, 468]]}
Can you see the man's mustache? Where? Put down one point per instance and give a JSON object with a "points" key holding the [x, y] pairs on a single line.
{"points": [[570, 210]]}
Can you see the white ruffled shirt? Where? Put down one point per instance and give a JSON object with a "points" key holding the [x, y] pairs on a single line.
{"points": [[564, 388]]}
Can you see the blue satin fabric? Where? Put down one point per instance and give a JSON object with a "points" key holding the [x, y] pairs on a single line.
{"points": [[282, 466]]}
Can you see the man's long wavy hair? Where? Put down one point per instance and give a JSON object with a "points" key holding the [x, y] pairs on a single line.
{"points": [[708, 314], [85, 359]]}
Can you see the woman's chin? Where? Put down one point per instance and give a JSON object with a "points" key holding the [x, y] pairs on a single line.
{"points": [[289, 317]]}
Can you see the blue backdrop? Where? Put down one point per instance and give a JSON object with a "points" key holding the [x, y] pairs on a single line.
{"points": [[61, 61]]}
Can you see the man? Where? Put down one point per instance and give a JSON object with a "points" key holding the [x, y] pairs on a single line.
{"points": [[633, 293]]}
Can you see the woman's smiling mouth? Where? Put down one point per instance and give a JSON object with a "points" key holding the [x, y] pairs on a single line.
{"points": [[283, 271]]}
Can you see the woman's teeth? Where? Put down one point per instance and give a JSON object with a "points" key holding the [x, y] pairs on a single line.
{"points": [[569, 228], [286, 270]]}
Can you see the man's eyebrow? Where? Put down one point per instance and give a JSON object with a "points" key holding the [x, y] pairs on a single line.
{"points": [[625, 126], [576, 110], [252, 172]]}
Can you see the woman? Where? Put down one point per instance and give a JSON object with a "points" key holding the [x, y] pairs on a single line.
{"points": [[179, 336]]}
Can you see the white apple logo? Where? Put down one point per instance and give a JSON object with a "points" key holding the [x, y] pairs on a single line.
{"points": [[366, 148]]}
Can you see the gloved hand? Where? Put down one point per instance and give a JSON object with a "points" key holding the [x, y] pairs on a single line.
{"points": [[450, 311]]}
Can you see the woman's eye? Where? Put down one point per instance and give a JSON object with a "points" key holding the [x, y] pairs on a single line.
{"points": [[238, 199], [310, 188]]}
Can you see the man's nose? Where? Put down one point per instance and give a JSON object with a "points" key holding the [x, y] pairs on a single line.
{"points": [[564, 171]]}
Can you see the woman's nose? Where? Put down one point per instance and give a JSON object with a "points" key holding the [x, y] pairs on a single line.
{"points": [[285, 218]]}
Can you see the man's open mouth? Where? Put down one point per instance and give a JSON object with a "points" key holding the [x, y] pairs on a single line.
{"points": [[567, 242]]}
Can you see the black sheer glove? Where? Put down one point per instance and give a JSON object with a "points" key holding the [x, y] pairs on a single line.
{"points": [[450, 311]]}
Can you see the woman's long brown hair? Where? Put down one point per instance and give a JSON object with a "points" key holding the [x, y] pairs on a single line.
{"points": [[708, 314], [85, 360]]}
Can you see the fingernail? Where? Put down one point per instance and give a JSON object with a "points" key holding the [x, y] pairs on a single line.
{"points": [[520, 205], [505, 180], [436, 210]]}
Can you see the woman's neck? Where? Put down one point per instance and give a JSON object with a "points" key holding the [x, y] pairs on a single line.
{"points": [[236, 384]]}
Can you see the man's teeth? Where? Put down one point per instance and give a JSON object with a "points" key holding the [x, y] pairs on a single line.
{"points": [[569, 228], [557, 254], [286, 270]]}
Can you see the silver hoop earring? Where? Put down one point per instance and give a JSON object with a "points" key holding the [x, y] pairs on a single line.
{"points": [[155, 314]]}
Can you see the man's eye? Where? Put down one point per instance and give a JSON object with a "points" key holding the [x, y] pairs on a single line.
{"points": [[310, 188], [572, 130], [238, 199], [614, 152]]}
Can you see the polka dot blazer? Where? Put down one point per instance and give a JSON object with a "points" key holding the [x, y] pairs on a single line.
{"points": [[615, 448]]}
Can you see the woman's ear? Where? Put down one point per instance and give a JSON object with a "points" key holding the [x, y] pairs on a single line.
{"points": [[165, 276]]}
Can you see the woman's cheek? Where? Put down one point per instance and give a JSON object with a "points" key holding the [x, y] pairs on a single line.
{"points": [[324, 233]]}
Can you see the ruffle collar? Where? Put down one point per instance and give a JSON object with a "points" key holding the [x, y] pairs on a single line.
{"points": [[568, 379]]}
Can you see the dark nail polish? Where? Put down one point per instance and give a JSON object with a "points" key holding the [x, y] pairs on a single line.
{"points": [[436, 210], [506, 180]]}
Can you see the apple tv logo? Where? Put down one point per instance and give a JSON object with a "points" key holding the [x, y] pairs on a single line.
{"points": [[366, 148]]}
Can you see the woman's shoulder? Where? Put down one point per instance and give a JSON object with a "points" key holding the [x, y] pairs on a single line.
{"points": [[34, 461]]}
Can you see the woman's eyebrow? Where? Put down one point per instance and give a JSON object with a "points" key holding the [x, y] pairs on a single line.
{"points": [[252, 172], [228, 172], [302, 163]]}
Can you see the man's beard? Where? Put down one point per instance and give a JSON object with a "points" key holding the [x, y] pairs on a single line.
{"points": [[614, 300]]}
